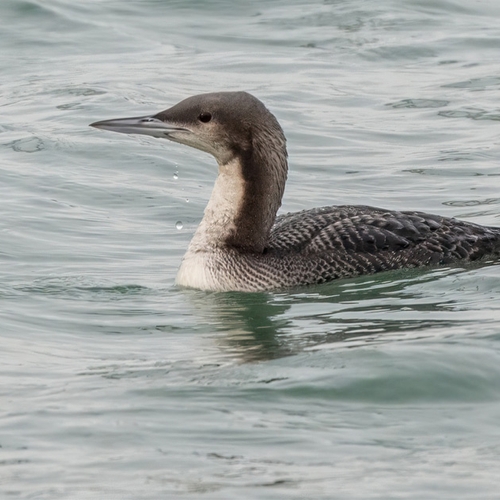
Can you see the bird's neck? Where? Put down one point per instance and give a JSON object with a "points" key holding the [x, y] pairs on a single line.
{"points": [[246, 197]]}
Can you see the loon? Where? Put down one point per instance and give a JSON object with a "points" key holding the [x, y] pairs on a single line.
{"points": [[241, 245]]}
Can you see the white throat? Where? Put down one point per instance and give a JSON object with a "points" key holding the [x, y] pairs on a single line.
{"points": [[222, 209], [217, 224]]}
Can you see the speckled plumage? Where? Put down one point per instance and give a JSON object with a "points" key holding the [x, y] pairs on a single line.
{"points": [[239, 244], [320, 245]]}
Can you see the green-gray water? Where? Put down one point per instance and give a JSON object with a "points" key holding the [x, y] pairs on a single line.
{"points": [[116, 384]]}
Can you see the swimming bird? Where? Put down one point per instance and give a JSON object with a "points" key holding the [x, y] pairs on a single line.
{"points": [[241, 245]]}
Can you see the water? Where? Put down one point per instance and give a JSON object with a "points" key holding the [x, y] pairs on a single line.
{"points": [[116, 384]]}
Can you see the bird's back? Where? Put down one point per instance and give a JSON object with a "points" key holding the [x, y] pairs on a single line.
{"points": [[345, 241]]}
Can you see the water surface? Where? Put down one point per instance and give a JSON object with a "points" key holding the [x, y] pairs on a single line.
{"points": [[114, 383]]}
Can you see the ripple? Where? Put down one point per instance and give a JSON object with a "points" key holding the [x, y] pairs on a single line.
{"points": [[79, 91], [475, 83], [27, 145], [472, 203], [74, 105], [419, 103], [472, 113], [440, 172], [453, 155], [80, 286]]}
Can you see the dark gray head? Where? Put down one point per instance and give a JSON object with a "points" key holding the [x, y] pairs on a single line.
{"points": [[221, 123], [247, 142]]}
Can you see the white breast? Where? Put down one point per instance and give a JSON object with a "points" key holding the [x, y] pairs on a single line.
{"points": [[195, 272]]}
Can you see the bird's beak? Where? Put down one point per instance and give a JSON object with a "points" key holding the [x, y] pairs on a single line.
{"points": [[144, 125]]}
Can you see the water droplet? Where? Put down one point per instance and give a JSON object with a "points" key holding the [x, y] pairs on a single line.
{"points": [[187, 200], [178, 225], [176, 175]]}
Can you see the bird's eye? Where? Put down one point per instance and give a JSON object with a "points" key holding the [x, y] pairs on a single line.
{"points": [[205, 117]]}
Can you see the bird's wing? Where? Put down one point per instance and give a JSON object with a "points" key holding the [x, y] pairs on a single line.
{"points": [[390, 238]]}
